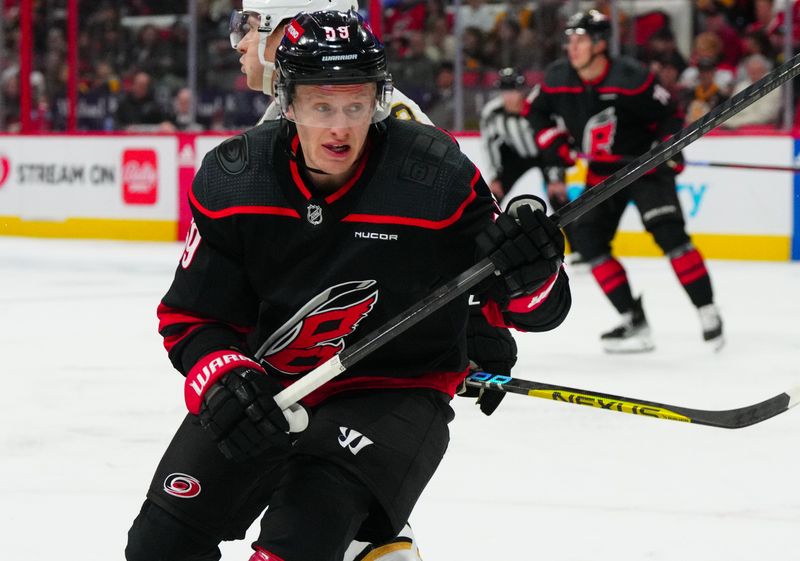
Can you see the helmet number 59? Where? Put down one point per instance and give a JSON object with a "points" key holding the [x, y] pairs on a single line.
{"points": [[334, 33]]}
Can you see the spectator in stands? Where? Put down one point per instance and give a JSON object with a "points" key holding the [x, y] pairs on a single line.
{"points": [[477, 14], [403, 17], [763, 13], [716, 22], [756, 43], [502, 49], [138, 109], [151, 54], [415, 72], [182, 115], [662, 48], [668, 73], [442, 107], [441, 43], [708, 47], [767, 110], [10, 107], [473, 41], [706, 94]]}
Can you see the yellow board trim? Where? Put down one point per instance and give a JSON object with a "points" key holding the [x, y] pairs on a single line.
{"points": [[712, 246], [610, 404], [91, 228]]}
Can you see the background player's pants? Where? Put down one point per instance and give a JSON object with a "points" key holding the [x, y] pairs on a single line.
{"points": [[355, 473], [657, 201]]}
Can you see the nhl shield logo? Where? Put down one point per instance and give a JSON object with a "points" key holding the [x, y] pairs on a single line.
{"points": [[314, 214]]}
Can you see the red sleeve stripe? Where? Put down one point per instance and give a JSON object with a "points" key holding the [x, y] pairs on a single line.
{"points": [[419, 222], [561, 89]]}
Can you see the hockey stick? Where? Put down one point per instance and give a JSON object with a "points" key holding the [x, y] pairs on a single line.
{"points": [[727, 419], [758, 167], [703, 163], [573, 210]]}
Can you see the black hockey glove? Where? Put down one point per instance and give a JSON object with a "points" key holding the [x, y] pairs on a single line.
{"points": [[525, 246], [490, 349], [240, 414]]}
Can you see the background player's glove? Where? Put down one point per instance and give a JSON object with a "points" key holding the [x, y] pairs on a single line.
{"points": [[240, 414], [676, 164], [555, 148], [490, 349], [526, 247]]}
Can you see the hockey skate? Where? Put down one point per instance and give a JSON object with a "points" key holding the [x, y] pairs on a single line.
{"points": [[711, 323], [633, 336]]}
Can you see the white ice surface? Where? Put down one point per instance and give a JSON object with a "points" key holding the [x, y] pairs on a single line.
{"points": [[88, 402]]}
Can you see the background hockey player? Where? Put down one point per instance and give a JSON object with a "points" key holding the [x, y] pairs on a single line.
{"points": [[508, 142], [275, 255], [615, 109], [255, 32]]}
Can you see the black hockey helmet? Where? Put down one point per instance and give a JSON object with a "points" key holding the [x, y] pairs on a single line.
{"points": [[510, 79], [330, 48], [591, 23]]}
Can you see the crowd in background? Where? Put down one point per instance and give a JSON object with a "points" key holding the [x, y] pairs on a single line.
{"points": [[133, 57]]}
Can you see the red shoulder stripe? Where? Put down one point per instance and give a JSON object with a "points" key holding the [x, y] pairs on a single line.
{"points": [[231, 211]]}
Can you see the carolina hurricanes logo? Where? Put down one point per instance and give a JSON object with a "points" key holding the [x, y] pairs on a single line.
{"points": [[316, 332], [182, 485], [598, 136], [5, 167]]}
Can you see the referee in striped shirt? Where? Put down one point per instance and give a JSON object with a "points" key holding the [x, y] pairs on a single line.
{"points": [[507, 136]]}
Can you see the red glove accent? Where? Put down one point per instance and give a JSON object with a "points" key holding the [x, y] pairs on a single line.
{"points": [[529, 302], [264, 555], [208, 370]]}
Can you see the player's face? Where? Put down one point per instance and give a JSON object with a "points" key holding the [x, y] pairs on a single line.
{"points": [[333, 123], [580, 50], [248, 47]]}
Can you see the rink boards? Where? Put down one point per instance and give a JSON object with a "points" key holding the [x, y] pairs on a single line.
{"points": [[133, 187]]}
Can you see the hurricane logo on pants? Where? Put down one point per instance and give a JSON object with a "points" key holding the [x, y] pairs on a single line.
{"points": [[317, 331], [182, 485]]}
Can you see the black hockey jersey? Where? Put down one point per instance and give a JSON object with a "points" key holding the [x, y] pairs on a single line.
{"points": [[269, 260], [619, 115]]}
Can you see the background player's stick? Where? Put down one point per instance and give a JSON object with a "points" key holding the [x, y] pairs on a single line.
{"points": [[573, 210], [727, 419], [705, 164]]}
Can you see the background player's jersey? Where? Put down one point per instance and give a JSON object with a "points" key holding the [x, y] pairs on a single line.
{"points": [[269, 259], [402, 107], [500, 128], [621, 114]]}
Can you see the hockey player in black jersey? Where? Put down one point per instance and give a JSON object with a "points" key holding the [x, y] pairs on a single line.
{"points": [[309, 233], [613, 109]]}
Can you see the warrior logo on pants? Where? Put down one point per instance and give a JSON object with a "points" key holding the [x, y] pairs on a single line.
{"points": [[316, 332]]}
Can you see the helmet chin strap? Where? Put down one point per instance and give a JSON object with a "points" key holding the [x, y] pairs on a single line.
{"points": [[266, 79], [269, 67]]}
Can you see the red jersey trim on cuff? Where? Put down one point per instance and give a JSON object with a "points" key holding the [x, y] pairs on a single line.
{"points": [[208, 370]]}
